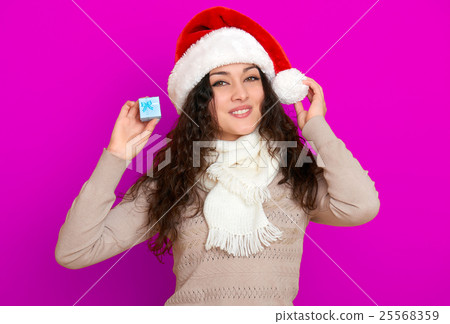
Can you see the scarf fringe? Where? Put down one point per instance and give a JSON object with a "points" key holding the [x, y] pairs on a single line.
{"points": [[243, 244], [251, 193]]}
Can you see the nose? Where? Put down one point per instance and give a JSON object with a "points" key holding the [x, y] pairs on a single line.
{"points": [[239, 92]]}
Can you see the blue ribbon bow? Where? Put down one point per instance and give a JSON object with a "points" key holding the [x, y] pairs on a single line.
{"points": [[146, 105]]}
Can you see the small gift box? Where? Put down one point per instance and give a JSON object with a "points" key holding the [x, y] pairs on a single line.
{"points": [[149, 108]]}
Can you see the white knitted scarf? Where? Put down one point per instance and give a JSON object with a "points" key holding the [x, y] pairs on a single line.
{"points": [[237, 179]]}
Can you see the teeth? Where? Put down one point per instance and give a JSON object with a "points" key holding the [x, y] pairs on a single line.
{"points": [[240, 111]]}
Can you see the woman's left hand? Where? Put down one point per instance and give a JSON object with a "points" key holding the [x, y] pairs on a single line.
{"points": [[317, 100]]}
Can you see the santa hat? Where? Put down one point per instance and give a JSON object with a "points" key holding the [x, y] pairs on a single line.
{"points": [[219, 36]]}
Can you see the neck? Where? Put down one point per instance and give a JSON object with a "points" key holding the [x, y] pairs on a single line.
{"points": [[234, 137]]}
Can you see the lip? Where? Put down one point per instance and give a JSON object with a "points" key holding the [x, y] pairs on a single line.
{"points": [[241, 108]]}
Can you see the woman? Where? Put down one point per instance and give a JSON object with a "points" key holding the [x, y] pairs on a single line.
{"points": [[233, 213]]}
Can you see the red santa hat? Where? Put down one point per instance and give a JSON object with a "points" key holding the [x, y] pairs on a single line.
{"points": [[219, 36]]}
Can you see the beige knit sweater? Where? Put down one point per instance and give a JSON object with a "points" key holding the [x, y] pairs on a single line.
{"points": [[93, 232]]}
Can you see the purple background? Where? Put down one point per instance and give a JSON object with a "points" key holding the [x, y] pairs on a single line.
{"points": [[64, 82]]}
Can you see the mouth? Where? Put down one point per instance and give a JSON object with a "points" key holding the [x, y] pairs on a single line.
{"points": [[241, 112]]}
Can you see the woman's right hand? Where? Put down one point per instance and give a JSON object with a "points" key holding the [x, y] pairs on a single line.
{"points": [[129, 127]]}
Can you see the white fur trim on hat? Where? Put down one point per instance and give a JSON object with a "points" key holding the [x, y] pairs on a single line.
{"points": [[288, 86], [223, 46]]}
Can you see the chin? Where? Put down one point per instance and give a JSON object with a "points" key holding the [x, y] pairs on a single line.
{"points": [[246, 129], [240, 127]]}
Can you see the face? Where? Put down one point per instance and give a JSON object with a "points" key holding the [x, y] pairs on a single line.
{"points": [[237, 87]]}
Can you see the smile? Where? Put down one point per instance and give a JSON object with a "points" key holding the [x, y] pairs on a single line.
{"points": [[241, 113]]}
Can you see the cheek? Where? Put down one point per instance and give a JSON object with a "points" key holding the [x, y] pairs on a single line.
{"points": [[260, 101], [216, 106], [258, 95], [258, 91]]}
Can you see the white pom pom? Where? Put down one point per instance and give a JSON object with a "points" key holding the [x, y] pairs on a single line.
{"points": [[288, 86]]}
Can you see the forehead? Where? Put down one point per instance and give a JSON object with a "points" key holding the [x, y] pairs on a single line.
{"points": [[238, 67]]}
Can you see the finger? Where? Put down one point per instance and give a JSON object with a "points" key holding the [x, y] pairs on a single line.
{"points": [[318, 87], [140, 141], [151, 125], [133, 110], [310, 95], [302, 119], [312, 85], [143, 137], [125, 109], [298, 107], [320, 90]]}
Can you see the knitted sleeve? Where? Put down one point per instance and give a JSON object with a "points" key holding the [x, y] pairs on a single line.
{"points": [[346, 195], [92, 231]]}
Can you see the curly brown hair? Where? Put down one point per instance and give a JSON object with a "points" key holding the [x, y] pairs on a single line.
{"points": [[168, 190]]}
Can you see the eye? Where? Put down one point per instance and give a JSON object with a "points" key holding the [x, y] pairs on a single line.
{"points": [[216, 84], [254, 79]]}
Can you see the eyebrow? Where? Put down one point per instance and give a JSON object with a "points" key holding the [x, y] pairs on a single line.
{"points": [[227, 73]]}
